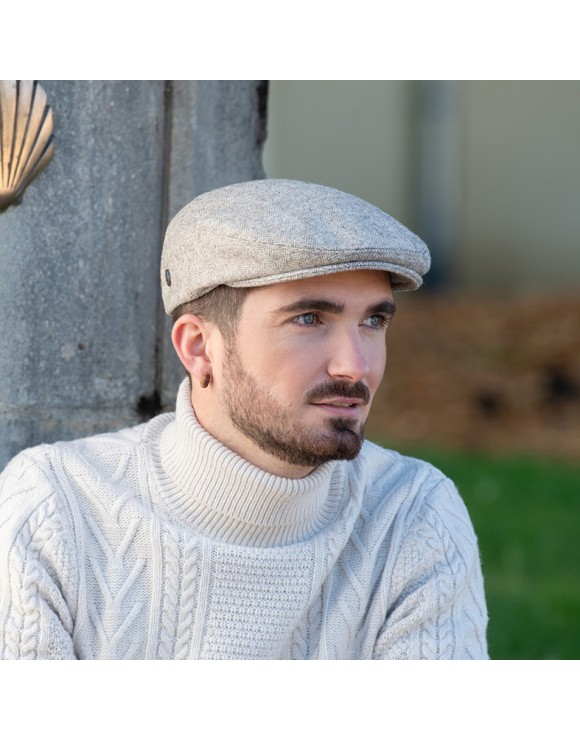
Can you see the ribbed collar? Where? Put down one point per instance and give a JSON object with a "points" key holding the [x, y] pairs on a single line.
{"points": [[222, 496]]}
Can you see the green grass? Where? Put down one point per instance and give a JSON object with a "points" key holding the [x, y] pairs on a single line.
{"points": [[526, 513]]}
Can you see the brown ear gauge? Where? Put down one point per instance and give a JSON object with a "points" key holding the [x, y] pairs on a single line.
{"points": [[205, 379]]}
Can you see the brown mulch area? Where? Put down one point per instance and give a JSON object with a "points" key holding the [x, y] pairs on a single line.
{"points": [[487, 374]]}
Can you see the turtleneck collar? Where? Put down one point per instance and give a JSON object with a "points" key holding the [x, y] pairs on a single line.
{"points": [[223, 496]]}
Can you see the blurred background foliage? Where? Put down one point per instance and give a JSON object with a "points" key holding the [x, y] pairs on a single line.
{"points": [[483, 375]]}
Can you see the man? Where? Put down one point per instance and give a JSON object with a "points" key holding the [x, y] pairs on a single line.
{"points": [[254, 523]]}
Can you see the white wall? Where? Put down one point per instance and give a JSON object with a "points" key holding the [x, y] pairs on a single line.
{"points": [[515, 205], [520, 221], [352, 135]]}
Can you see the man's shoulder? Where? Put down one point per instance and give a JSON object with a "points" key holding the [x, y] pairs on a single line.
{"points": [[415, 487], [385, 464], [401, 482], [41, 467]]}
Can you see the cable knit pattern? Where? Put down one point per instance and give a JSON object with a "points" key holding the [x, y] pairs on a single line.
{"points": [[160, 543]]}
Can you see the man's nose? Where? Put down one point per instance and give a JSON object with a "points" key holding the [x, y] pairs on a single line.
{"points": [[347, 358]]}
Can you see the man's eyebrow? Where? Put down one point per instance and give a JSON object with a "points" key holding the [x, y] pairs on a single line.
{"points": [[383, 307], [333, 307], [311, 304]]}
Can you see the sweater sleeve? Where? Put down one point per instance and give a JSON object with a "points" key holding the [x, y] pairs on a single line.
{"points": [[37, 565], [435, 593]]}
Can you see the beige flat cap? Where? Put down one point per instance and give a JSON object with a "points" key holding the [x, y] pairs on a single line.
{"points": [[270, 231]]}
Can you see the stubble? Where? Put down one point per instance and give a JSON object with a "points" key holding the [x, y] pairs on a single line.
{"points": [[257, 415]]}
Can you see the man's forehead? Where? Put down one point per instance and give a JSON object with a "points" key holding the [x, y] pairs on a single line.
{"points": [[360, 285], [372, 279]]}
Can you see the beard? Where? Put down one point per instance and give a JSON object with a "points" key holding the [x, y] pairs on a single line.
{"points": [[262, 419]]}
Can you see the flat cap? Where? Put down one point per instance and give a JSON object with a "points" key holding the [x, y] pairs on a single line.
{"points": [[270, 231]]}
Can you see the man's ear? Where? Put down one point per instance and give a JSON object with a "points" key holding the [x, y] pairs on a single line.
{"points": [[190, 336]]}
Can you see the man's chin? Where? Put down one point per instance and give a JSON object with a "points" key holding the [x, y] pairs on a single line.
{"points": [[345, 424], [342, 442], [349, 445]]}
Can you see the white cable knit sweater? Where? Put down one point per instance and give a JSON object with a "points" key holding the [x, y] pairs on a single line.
{"points": [[158, 542]]}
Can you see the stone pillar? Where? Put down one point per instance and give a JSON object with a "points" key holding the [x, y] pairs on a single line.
{"points": [[218, 130], [83, 345]]}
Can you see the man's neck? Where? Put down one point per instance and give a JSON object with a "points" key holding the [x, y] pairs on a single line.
{"points": [[237, 442]]}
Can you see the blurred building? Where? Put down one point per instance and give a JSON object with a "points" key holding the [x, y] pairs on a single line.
{"points": [[487, 172]]}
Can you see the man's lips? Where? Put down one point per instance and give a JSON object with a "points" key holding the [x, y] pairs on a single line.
{"points": [[345, 406], [339, 398], [340, 401]]}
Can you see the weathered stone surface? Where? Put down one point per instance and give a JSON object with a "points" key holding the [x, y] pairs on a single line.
{"points": [[217, 135], [80, 343]]}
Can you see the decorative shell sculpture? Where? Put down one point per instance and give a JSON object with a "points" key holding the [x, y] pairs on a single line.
{"points": [[26, 140]]}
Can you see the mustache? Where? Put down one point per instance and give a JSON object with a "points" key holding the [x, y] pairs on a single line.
{"points": [[323, 391]]}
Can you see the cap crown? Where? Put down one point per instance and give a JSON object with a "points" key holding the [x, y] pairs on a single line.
{"points": [[268, 231]]}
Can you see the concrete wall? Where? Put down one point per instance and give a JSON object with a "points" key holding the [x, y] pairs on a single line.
{"points": [[218, 129], [83, 345]]}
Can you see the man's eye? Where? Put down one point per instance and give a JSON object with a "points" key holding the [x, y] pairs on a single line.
{"points": [[308, 319], [377, 321]]}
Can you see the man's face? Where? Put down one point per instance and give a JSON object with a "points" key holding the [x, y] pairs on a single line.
{"points": [[297, 382]]}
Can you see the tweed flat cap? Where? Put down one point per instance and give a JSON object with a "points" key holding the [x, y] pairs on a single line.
{"points": [[270, 231]]}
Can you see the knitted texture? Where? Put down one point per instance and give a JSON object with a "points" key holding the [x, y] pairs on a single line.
{"points": [[160, 543]]}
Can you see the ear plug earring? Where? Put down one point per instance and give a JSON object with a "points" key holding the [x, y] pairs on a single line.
{"points": [[204, 383]]}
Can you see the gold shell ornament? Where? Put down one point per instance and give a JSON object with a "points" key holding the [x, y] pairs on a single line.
{"points": [[26, 139]]}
